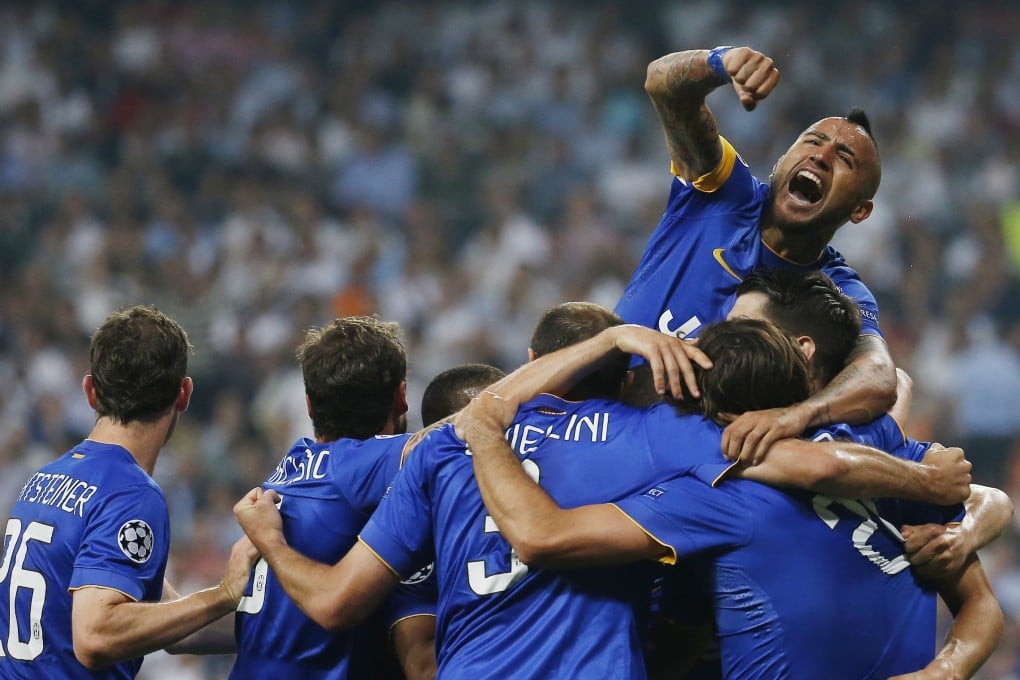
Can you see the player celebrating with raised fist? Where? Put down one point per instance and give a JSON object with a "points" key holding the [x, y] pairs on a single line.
{"points": [[721, 223]]}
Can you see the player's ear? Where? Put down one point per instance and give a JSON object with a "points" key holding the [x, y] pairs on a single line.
{"points": [[862, 211], [89, 388], [184, 396], [531, 355], [807, 346], [400, 399], [308, 405]]}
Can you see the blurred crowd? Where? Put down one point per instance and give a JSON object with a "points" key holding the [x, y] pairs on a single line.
{"points": [[256, 168]]}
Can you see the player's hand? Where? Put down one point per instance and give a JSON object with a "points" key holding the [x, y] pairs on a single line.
{"points": [[243, 556], [754, 75], [948, 474], [935, 551], [486, 413], [259, 516], [671, 359], [749, 436]]}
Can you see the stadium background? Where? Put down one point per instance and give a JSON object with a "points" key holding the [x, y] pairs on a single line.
{"points": [[254, 168]]}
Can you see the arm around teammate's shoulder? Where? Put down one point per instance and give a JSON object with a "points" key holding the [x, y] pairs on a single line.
{"points": [[864, 390], [852, 470]]}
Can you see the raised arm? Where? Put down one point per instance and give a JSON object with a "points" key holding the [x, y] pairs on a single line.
{"points": [[336, 597], [678, 84], [861, 392]]}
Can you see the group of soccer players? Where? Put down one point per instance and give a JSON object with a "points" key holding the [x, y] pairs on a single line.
{"points": [[526, 534]]}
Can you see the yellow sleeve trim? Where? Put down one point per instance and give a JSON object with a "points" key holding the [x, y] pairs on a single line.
{"points": [[116, 590], [710, 182], [667, 559], [376, 555], [722, 475], [408, 617]]}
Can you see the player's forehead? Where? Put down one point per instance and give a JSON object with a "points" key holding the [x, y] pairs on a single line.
{"points": [[843, 131], [750, 306]]}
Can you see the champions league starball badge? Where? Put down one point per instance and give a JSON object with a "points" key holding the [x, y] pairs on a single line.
{"points": [[135, 539], [420, 575]]}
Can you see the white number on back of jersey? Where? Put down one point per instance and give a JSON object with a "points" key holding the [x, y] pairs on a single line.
{"points": [[861, 537], [31, 580], [252, 604], [497, 583]]}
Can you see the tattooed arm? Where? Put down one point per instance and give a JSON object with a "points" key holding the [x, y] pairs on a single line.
{"points": [[678, 84], [861, 392]]}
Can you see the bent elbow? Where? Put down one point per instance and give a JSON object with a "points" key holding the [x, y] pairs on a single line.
{"points": [[998, 619], [533, 554], [92, 653], [653, 79], [886, 382], [339, 610], [334, 619], [1006, 503], [543, 550]]}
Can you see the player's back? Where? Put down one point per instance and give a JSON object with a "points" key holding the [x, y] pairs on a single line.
{"points": [[821, 589], [93, 517], [497, 617], [328, 492], [813, 586]]}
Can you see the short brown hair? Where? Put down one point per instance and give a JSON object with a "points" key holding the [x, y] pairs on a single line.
{"points": [[138, 359], [569, 323], [352, 369]]}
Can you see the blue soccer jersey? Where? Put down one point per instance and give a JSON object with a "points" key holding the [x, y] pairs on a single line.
{"points": [[803, 585], [497, 617], [707, 241], [91, 518], [329, 491]]}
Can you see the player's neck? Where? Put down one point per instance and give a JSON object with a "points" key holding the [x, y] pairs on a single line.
{"points": [[142, 440], [797, 247]]}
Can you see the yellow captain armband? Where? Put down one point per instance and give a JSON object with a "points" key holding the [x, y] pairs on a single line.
{"points": [[711, 181]]}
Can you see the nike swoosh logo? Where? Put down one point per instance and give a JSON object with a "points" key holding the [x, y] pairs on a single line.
{"points": [[717, 254]]}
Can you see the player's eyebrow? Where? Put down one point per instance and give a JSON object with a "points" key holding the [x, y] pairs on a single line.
{"points": [[825, 138]]}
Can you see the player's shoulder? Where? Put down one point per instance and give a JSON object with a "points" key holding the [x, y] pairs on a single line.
{"points": [[882, 433], [380, 445], [730, 184], [667, 417], [437, 441], [836, 267], [107, 466]]}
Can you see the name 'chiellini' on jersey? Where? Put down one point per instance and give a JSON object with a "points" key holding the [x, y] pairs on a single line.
{"points": [[525, 438]]}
